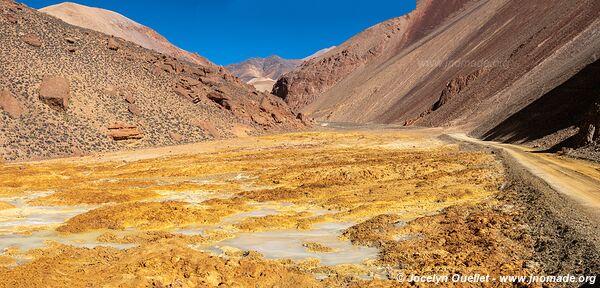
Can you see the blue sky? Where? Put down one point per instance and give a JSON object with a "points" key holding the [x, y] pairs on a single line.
{"points": [[229, 31]]}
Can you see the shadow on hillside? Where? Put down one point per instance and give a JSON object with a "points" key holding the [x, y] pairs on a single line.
{"points": [[563, 107]]}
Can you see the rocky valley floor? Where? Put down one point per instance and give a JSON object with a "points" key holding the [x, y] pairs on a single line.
{"points": [[341, 207]]}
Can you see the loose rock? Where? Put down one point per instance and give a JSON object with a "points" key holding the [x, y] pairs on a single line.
{"points": [[112, 44], [10, 104], [32, 40], [123, 131], [55, 91]]}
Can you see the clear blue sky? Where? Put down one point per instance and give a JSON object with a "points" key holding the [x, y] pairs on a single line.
{"points": [[229, 31]]}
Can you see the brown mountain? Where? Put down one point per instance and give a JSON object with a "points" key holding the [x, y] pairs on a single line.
{"points": [[66, 90], [261, 72], [492, 67], [303, 85], [115, 24]]}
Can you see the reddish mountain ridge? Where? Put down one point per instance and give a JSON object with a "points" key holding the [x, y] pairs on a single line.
{"points": [[382, 41], [472, 64]]}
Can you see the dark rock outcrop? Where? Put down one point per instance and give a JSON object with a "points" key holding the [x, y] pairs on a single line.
{"points": [[589, 129], [454, 87]]}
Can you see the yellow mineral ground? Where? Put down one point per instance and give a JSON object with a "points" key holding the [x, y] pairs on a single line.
{"points": [[317, 247], [4, 205], [156, 219]]}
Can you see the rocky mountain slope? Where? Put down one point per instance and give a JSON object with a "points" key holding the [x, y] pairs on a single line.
{"points": [[261, 72], [472, 64], [382, 41], [117, 25], [65, 90]]}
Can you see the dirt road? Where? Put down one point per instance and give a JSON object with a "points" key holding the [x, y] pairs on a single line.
{"points": [[578, 179]]}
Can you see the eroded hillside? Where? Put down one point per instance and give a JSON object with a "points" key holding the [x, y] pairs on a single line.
{"points": [[472, 64], [382, 41], [69, 91]]}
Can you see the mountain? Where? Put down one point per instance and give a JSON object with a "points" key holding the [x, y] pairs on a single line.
{"points": [[495, 68], [66, 90], [384, 40], [115, 24], [262, 72]]}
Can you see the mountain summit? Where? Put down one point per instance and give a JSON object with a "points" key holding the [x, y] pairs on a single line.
{"points": [[115, 24], [262, 72]]}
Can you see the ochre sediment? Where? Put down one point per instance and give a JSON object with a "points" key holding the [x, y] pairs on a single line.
{"points": [[415, 204], [4, 205]]}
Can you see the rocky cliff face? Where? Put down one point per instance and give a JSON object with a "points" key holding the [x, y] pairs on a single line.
{"points": [[65, 90], [111, 23]]}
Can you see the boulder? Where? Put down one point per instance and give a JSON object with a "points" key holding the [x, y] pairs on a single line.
{"points": [[206, 126], [227, 104], [304, 119], [189, 82], [11, 18], [217, 97], [112, 44], [10, 104], [180, 91], [55, 91], [588, 128], [170, 66], [134, 109], [277, 118], [127, 96], [176, 136], [32, 40], [209, 82], [123, 131], [591, 131], [261, 120]]}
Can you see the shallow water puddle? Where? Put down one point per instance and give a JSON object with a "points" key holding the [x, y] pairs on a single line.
{"points": [[201, 230], [11, 219], [193, 197], [288, 244], [21, 200], [24, 215], [38, 240]]}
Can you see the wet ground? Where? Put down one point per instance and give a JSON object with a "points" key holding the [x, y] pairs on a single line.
{"points": [[333, 208]]}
